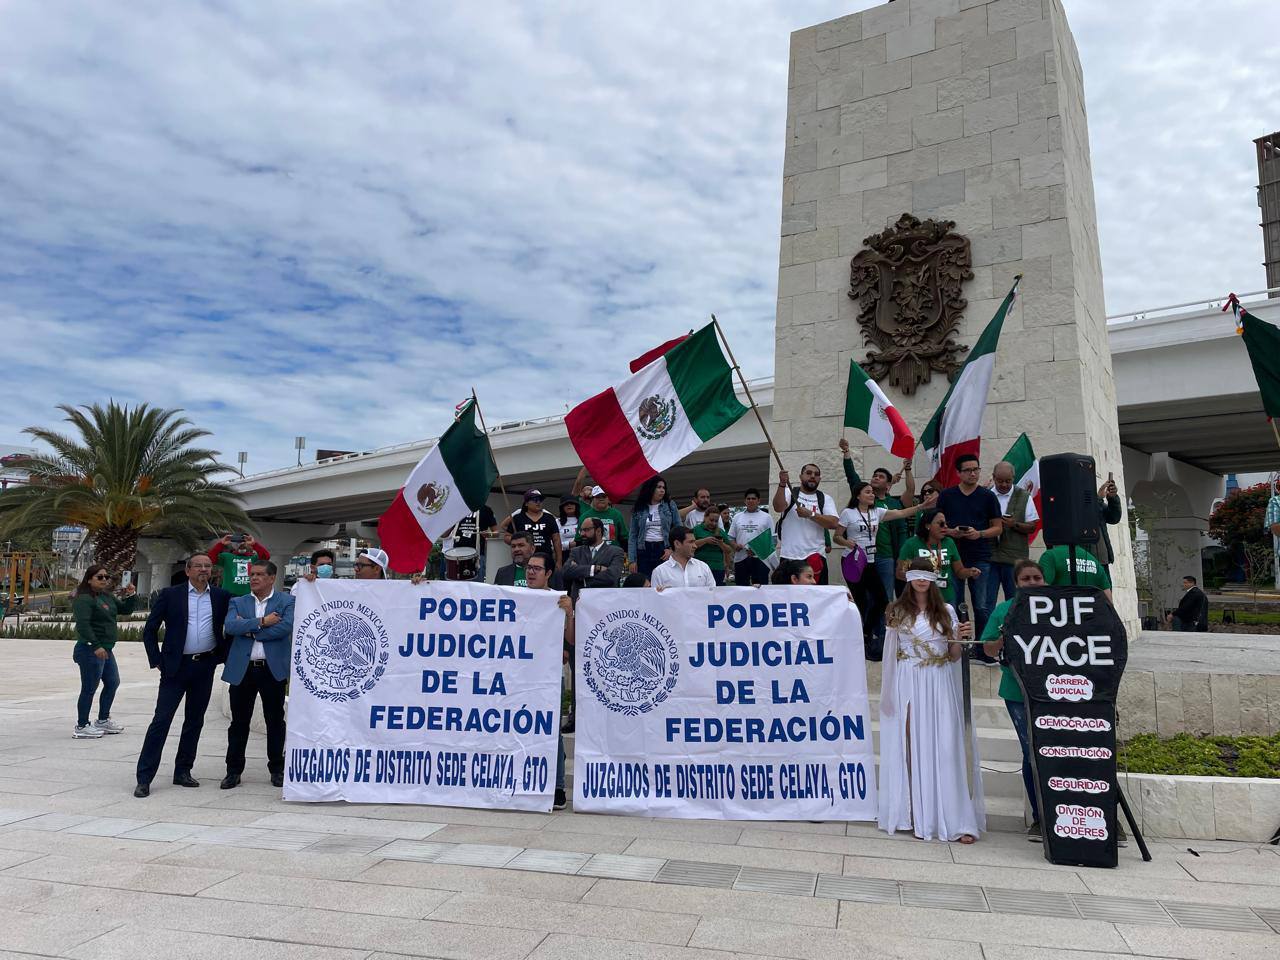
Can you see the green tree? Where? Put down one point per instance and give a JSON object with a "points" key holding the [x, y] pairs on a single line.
{"points": [[1237, 519], [124, 472]]}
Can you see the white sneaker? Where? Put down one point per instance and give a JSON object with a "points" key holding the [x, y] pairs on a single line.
{"points": [[87, 732], [108, 726]]}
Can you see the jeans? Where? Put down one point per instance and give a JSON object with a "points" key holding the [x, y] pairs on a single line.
{"points": [[648, 557], [1001, 579], [868, 594], [980, 604], [750, 572], [92, 672], [1018, 714], [560, 762], [887, 568]]}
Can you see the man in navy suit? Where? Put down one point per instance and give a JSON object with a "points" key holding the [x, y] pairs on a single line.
{"points": [[261, 627], [192, 614]]}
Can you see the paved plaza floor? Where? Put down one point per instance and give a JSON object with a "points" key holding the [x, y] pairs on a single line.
{"points": [[87, 871]]}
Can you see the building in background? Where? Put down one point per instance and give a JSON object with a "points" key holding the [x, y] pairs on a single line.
{"points": [[1269, 203]]}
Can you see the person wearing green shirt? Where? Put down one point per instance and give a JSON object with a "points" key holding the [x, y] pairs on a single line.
{"points": [[95, 609], [1056, 566], [931, 542], [611, 519], [233, 555], [713, 544], [1026, 573]]}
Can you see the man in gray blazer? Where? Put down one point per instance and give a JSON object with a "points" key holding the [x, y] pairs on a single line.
{"points": [[594, 563], [260, 625]]}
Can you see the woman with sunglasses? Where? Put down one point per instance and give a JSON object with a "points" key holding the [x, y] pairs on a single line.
{"points": [[95, 609]]}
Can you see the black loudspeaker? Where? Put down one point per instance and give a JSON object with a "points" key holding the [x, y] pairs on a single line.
{"points": [[1069, 499]]}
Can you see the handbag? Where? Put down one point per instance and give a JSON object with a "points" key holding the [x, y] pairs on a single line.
{"points": [[853, 564]]}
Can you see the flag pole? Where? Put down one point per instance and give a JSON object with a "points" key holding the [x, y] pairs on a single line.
{"points": [[747, 391], [506, 504]]}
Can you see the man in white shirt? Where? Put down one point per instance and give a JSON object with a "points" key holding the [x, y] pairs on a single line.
{"points": [[1018, 518], [803, 527], [748, 569], [682, 569], [696, 511], [261, 625]]}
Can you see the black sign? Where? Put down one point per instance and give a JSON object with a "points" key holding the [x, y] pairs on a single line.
{"points": [[1067, 647]]}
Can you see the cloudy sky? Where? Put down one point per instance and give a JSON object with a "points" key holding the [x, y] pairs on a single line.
{"points": [[335, 218]]}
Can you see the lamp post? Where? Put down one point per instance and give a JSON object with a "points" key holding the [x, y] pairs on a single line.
{"points": [[298, 444]]}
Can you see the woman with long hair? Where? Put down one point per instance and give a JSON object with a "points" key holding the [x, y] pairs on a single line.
{"points": [[925, 783], [95, 609], [859, 524], [653, 515], [569, 507], [796, 573], [932, 543]]}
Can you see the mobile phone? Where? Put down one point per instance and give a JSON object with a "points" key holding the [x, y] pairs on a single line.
{"points": [[1008, 516], [126, 578], [237, 538], [964, 529]]}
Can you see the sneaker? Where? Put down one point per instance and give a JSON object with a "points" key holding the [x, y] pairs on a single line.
{"points": [[108, 726], [560, 802], [87, 732], [1033, 833]]}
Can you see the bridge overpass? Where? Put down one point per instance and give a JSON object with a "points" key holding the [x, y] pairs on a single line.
{"points": [[1189, 412]]}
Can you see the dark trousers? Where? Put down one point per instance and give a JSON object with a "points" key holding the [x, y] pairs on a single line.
{"points": [[1018, 714], [257, 681], [93, 672], [648, 557], [1001, 579], [980, 594], [868, 594], [192, 681], [718, 576], [751, 572]]}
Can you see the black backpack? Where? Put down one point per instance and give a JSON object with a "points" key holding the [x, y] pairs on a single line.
{"points": [[795, 496]]}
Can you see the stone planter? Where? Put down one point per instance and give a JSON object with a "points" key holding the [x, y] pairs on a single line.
{"points": [[1204, 808]]}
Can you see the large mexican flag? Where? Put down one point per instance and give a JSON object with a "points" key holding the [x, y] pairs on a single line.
{"points": [[656, 417], [956, 426], [449, 483]]}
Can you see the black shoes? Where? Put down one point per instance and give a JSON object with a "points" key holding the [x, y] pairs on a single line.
{"points": [[277, 779], [185, 780], [142, 790], [229, 781], [568, 725], [560, 802]]}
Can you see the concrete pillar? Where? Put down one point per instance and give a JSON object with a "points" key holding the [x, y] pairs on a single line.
{"points": [[283, 540], [975, 116], [1171, 504], [155, 563]]}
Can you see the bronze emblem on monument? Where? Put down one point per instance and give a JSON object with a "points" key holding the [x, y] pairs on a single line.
{"points": [[907, 282]]}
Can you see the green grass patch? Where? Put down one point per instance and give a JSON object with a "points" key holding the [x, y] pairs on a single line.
{"points": [[1190, 756], [1247, 617]]}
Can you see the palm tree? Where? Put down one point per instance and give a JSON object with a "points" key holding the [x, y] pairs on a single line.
{"points": [[130, 472]]}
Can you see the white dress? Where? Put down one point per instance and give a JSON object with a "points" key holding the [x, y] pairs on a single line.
{"points": [[933, 797]]}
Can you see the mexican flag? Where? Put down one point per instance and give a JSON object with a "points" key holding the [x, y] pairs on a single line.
{"points": [[1026, 473], [764, 547], [656, 417], [866, 408], [956, 426], [649, 356], [1262, 341], [449, 483]]}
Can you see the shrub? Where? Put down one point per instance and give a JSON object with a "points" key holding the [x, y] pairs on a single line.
{"points": [[1187, 755]]}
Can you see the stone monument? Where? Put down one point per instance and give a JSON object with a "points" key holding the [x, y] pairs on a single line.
{"points": [[969, 111]]}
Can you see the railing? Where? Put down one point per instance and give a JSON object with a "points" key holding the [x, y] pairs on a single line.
{"points": [[1196, 305], [495, 430]]}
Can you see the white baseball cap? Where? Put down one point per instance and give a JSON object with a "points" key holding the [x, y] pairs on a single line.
{"points": [[377, 556], [596, 492]]}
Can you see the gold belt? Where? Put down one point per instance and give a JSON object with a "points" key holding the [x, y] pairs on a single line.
{"points": [[939, 661]]}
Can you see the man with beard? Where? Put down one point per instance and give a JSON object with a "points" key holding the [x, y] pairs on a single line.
{"points": [[805, 516], [541, 527], [513, 574]]}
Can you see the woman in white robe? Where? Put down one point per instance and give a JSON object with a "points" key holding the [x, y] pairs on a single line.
{"points": [[924, 784]]}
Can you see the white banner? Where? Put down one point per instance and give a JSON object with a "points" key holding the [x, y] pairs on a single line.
{"points": [[735, 702], [444, 693]]}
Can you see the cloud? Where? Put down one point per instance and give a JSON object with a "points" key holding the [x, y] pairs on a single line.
{"points": [[334, 219]]}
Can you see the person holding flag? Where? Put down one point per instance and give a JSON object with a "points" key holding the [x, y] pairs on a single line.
{"points": [[1018, 520], [750, 560]]}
